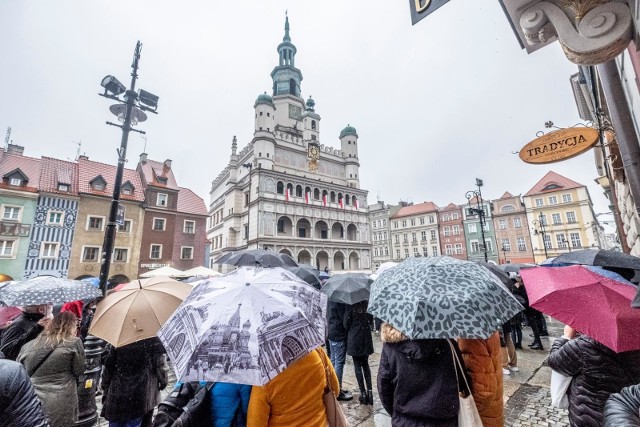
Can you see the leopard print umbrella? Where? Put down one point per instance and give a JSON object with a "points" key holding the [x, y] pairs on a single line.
{"points": [[442, 297]]}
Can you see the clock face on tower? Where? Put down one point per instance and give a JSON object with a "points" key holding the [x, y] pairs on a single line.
{"points": [[313, 151]]}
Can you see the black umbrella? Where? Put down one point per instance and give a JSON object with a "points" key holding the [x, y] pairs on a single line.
{"points": [[600, 257], [499, 273], [636, 301], [514, 267], [261, 257], [348, 288], [307, 273]]}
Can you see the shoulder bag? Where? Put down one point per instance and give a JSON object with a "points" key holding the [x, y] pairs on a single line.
{"points": [[35, 368], [335, 416], [468, 415], [558, 388], [188, 405]]}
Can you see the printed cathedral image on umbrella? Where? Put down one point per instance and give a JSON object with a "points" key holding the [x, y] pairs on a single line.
{"points": [[244, 327]]}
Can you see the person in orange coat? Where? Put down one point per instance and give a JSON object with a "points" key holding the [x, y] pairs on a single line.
{"points": [[483, 360], [294, 397]]}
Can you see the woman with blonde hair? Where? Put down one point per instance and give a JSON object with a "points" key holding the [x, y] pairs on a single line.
{"points": [[54, 360]]}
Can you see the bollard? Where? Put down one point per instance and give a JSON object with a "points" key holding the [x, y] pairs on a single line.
{"points": [[88, 382]]}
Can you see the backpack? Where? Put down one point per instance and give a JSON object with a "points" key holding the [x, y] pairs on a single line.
{"points": [[188, 405]]}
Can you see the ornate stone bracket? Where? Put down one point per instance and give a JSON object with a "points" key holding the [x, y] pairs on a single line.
{"points": [[601, 33]]}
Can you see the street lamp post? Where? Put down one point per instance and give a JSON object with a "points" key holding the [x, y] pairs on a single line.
{"points": [[539, 229], [566, 243], [478, 210], [249, 166], [129, 110]]}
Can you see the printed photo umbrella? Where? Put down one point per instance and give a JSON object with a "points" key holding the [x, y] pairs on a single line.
{"points": [[137, 310], [592, 301], [47, 290], [244, 327], [348, 288], [442, 297]]}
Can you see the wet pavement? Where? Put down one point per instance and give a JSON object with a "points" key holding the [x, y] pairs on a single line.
{"points": [[526, 392]]}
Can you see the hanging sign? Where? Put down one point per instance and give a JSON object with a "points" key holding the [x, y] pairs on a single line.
{"points": [[559, 145], [421, 8]]}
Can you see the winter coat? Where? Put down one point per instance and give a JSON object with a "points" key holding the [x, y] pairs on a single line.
{"points": [[19, 406], [132, 379], [358, 326], [56, 379], [483, 360], [229, 402], [22, 330], [623, 409], [335, 321], [597, 372], [294, 397], [417, 380]]}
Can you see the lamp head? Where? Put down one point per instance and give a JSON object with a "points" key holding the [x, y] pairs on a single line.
{"points": [[113, 86], [479, 182], [148, 99]]}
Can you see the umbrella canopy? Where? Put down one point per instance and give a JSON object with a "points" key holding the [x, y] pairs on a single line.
{"points": [[593, 303], [348, 288], [307, 273], [138, 310], [244, 327], [261, 257], [324, 275], [47, 290], [600, 257], [442, 297], [499, 273], [514, 267], [166, 271], [199, 271]]}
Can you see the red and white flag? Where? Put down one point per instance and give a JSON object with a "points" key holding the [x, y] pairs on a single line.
{"points": [[307, 197], [341, 203], [355, 203], [324, 200], [287, 195]]}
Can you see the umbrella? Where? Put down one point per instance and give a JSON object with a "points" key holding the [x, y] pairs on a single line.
{"points": [[94, 281], [514, 267], [592, 303], [442, 297], [198, 271], [262, 257], [324, 275], [166, 271], [499, 273], [307, 273], [383, 267], [348, 288], [244, 327], [47, 290], [600, 257], [138, 310]]}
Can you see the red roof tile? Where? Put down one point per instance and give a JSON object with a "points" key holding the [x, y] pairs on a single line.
{"points": [[450, 207], [506, 195], [558, 181], [56, 171], [416, 209], [28, 165], [151, 169], [88, 170], [190, 203]]}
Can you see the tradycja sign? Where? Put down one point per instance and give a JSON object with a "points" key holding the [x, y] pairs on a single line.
{"points": [[421, 8], [559, 145]]}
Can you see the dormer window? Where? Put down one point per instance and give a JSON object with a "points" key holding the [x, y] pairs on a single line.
{"points": [[15, 181], [16, 178], [98, 183], [127, 188], [162, 179], [162, 199], [63, 187]]}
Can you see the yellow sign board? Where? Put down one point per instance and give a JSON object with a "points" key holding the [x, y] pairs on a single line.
{"points": [[559, 145]]}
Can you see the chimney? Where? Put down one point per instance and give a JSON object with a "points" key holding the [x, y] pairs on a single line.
{"points": [[143, 158], [167, 164], [83, 157], [15, 149]]}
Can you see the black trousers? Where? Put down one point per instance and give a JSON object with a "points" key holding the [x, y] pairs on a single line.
{"points": [[533, 316], [363, 372]]}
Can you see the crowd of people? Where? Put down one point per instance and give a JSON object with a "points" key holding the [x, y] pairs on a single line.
{"points": [[418, 380]]}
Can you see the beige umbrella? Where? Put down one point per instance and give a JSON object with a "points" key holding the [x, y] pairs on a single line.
{"points": [[199, 271], [163, 271], [138, 310]]}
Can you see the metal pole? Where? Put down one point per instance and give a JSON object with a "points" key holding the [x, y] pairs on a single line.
{"points": [[482, 222], [110, 232], [544, 235]]}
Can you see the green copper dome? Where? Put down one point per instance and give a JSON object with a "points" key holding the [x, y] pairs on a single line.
{"points": [[264, 99], [349, 130]]}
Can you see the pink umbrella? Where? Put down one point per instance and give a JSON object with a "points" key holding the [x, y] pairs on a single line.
{"points": [[593, 304]]}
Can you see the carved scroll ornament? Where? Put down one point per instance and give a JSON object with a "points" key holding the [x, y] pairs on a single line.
{"points": [[600, 35]]}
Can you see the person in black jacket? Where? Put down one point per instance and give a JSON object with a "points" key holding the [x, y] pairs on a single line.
{"points": [[23, 329], [597, 373], [19, 406], [337, 335], [360, 347], [623, 409], [417, 380]]}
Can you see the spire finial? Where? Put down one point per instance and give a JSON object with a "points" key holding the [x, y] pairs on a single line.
{"points": [[286, 37], [234, 145]]}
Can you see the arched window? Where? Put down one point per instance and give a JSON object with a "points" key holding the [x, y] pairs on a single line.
{"points": [[292, 87], [347, 199], [316, 194], [333, 197], [313, 125], [290, 188], [298, 190], [307, 190], [280, 187]]}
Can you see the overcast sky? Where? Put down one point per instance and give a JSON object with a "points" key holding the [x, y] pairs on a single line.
{"points": [[435, 105]]}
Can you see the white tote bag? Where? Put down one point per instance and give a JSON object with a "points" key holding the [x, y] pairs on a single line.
{"points": [[559, 386], [468, 415]]}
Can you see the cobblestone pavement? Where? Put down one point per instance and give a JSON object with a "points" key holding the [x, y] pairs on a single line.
{"points": [[526, 392]]}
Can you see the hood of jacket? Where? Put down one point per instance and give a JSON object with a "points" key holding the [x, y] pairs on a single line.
{"points": [[418, 350]]}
